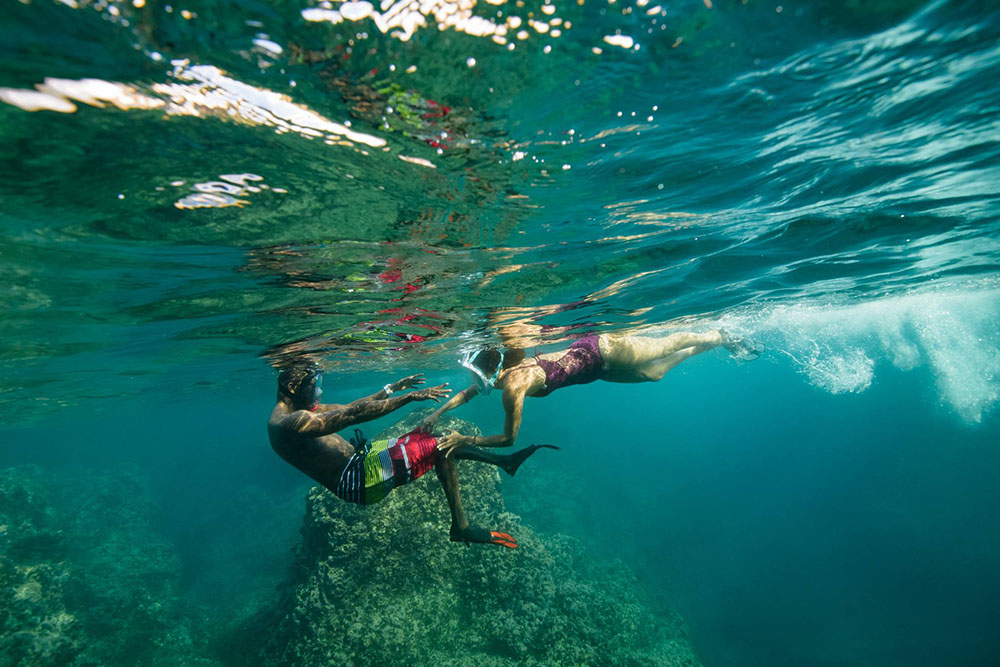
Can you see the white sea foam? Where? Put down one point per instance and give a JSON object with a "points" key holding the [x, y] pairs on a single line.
{"points": [[839, 347]]}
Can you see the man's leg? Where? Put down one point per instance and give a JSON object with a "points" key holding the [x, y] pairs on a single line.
{"points": [[447, 472], [413, 455], [461, 531]]}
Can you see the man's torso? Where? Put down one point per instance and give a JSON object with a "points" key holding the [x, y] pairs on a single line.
{"points": [[322, 458]]}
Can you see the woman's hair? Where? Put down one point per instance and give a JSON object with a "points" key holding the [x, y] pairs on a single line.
{"points": [[513, 356], [487, 360]]}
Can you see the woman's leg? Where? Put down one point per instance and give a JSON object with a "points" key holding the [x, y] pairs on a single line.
{"points": [[645, 359], [509, 462]]}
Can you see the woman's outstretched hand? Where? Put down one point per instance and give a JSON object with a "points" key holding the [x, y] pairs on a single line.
{"points": [[447, 443]]}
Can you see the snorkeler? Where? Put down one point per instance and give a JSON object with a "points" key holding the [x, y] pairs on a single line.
{"points": [[303, 432], [608, 357]]}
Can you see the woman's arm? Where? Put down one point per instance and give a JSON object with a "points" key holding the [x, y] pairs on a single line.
{"points": [[513, 402], [461, 398]]}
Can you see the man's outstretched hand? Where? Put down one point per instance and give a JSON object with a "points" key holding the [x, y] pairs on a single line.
{"points": [[432, 393], [407, 382]]}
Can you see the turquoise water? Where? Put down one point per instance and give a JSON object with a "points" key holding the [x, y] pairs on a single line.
{"points": [[196, 193]]}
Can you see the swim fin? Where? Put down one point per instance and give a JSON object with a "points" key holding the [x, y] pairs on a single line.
{"points": [[515, 460], [483, 536]]}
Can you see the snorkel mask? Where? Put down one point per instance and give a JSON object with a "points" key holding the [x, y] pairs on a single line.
{"points": [[301, 385], [484, 383], [317, 383]]}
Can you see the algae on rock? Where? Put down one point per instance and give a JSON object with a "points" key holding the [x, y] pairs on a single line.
{"points": [[384, 585], [85, 577]]}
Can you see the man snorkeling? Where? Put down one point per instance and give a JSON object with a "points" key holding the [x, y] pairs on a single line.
{"points": [[303, 432], [608, 357]]}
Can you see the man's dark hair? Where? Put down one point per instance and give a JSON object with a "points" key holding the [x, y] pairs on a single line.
{"points": [[290, 379]]}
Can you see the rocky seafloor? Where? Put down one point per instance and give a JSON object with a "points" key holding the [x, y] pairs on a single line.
{"points": [[88, 576]]}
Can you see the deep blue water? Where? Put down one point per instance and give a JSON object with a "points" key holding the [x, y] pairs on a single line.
{"points": [[205, 192]]}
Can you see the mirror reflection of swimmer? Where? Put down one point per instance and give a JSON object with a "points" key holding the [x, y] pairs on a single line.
{"points": [[303, 432], [608, 357]]}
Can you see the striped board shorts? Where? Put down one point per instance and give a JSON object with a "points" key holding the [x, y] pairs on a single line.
{"points": [[370, 476]]}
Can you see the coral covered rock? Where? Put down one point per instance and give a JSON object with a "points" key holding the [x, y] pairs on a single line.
{"points": [[85, 577], [383, 585], [35, 626]]}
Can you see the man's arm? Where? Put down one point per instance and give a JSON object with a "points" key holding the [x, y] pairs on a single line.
{"points": [[380, 395], [316, 424], [393, 387]]}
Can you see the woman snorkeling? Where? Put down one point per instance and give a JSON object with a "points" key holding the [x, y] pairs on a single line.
{"points": [[608, 357]]}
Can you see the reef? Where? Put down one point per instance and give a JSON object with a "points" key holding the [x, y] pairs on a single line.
{"points": [[384, 585], [89, 576], [86, 575]]}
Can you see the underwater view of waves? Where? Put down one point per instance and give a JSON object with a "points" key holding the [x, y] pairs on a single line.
{"points": [[197, 194]]}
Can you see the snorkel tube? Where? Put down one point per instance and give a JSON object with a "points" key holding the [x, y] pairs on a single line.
{"points": [[484, 383]]}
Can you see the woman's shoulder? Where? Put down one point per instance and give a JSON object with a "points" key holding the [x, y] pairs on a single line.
{"points": [[523, 374]]}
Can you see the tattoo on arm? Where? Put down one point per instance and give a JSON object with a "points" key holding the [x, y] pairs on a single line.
{"points": [[368, 409], [317, 424], [379, 395]]}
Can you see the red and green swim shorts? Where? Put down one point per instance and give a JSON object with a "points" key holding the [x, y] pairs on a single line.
{"points": [[370, 476]]}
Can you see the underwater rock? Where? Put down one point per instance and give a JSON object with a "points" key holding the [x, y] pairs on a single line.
{"points": [[384, 585], [36, 628], [85, 577]]}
